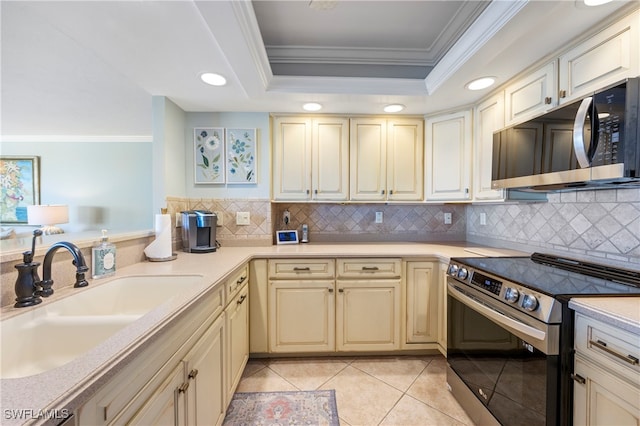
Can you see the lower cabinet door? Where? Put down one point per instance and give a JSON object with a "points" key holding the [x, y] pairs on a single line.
{"points": [[167, 405], [301, 316], [205, 376], [368, 315], [422, 302], [603, 398], [237, 317]]}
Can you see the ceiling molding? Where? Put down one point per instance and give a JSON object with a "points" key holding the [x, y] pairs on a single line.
{"points": [[248, 24], [348, 55], [78, 138], [490, 21], [351, 85]]}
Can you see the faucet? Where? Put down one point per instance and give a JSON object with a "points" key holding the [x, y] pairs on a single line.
{"points": [[29, 288]]}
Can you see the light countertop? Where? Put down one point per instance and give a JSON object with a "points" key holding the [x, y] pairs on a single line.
{"points": [[71, 385], [620, 312]]}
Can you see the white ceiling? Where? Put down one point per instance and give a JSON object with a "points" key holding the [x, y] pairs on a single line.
{"points": [[91, 67]]}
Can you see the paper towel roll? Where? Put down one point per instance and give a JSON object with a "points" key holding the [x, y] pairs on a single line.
{"points": [[160, 248]]}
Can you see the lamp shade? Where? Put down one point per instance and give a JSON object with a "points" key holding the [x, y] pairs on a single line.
{"points": [[52, 214]]}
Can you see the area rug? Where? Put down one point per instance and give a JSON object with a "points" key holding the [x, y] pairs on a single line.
{"points": [[283, 408]]}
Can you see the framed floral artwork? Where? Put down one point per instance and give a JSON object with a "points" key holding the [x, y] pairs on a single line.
{"points": [[209, 154], [19, 186], [241, 156]]}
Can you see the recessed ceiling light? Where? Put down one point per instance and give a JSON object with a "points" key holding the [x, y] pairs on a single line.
{"points": [[312, 106], [481, 83], [595, 2], [393, 108], [213, 79]]}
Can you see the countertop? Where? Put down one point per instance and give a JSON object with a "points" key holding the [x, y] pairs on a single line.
{"points": [[620, 312], [69, 386]]}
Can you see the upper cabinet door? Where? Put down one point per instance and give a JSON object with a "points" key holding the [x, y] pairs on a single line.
{"points": [[448, 157], [488, 117], [330, 159], [368, 159], [531, 95], [604, 59], [405, 159], [291, 158]]}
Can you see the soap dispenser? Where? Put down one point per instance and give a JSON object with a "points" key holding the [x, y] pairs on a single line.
{"points": [[103, 257]]}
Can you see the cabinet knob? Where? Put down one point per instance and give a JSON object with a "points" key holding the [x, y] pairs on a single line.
{"points": [[391, 192], [548, 100], [341, 290], [239, 302], [183, 388], [330, 290], [315, 191], [563, 93], [308, 192], [382, 192], [193, 373]]}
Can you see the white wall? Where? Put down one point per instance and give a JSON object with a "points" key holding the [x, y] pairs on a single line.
{"points": [[106, 184], [257, 120]]}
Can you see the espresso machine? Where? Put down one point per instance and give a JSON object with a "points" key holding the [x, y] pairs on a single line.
{"points": [[199, 231]]}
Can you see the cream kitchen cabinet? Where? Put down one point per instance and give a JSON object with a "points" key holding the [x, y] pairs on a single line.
{"points": [[421, 301], [237, 338], [301, 305], [368, 304], [488, 117], [448, 156], [386, 159], [310, 158], [606, 374], [532, 94], [156, 384], [442, 308], [607, 57]]}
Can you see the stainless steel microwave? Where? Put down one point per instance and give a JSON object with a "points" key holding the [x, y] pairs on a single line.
{"points": [[591, 143]]}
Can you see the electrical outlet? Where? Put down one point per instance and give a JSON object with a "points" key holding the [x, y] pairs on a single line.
{"points": [[378, 217], [447, 218], [243, 218], [220, 220], [483, 218], [178, 220]]}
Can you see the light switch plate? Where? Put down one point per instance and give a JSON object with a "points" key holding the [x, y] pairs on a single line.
{"points": [[378, 217], [178, 220], [220, 220], [483, 218], [243, 218]]}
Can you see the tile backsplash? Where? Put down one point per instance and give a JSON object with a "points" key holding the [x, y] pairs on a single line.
{"points": [[603, 224]]}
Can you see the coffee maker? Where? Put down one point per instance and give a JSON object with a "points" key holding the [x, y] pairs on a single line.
{"points": [[199, 231]]}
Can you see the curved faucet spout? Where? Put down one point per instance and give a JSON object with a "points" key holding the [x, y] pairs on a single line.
{"points": [[78, 261]]}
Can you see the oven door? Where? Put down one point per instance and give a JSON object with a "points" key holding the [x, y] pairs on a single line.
{"points": [[507, 360]]}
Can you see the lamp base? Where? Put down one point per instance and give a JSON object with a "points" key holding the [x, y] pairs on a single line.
{"points": [[51, 230]]}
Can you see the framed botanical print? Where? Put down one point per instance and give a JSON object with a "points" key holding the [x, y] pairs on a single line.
{"points": [[19, 187], [241, 156], [208, 150]]}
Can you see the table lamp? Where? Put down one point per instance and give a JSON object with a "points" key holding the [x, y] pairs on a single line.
{"points": [[48, 216]]}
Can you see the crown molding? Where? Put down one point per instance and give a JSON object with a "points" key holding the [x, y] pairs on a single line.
{"points": [[78, 138], [349, 55], [490, 21], [351, 85]]}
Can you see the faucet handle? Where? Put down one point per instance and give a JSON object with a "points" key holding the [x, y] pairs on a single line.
{"points": [[45, 288], [80, 280]]}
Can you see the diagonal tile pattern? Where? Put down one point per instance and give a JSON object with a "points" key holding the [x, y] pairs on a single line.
{"points": [[393, 390]]}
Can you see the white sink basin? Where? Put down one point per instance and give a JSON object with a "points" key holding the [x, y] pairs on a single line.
{"points": [[55, 333]]}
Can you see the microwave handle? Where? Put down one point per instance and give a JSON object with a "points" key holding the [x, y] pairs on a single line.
{"points": [[578, 134]]}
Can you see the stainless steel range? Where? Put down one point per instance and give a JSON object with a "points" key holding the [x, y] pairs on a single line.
{"points": [[510, 333]]}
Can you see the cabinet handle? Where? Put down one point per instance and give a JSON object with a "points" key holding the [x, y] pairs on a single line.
{"points": [[315, 191], [563, 93], [370, 268], [391, 192], [301, 269], [548, 100], [330, 290], [193, 373], [603, 346], [341, 290], [382, 192], [239, 302], [578, 378], [241, 279], [308, 191], [183, 388]]}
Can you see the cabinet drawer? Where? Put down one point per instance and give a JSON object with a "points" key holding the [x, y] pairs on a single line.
{"points": [[617, 349], [369, 268], [235, 283], [301, 268]]}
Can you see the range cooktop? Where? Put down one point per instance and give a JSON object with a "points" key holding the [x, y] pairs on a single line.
{"points": [[556, 276]]}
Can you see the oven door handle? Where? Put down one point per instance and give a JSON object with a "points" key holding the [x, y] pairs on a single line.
{"points": [[505, 321]]}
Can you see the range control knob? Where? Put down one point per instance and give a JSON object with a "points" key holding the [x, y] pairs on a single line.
{"points": [[511, 295], [463, 273], [453, 270], [529, 302]]}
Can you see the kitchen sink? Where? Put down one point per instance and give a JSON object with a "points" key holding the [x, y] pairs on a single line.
{"points": [[53, 334]]}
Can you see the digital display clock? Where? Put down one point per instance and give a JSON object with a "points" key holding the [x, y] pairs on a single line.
{"points": [[287, 237]]}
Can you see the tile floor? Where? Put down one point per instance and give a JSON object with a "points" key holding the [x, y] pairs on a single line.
{"points": [[393, 390]]}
